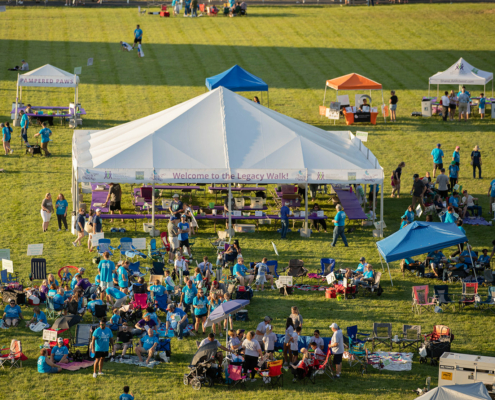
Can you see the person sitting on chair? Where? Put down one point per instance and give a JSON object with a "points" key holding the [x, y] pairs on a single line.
{"points": [[299, 368], [362, 265], [144, 325], [232, 252], [437, 202], [415, 265], [60, 352], [59, 303], [124, 341], [365, 104], [206, 268], [147, 344], [435, 259], [461, 265], [318, 222], [239, 272], [484, 259], [469, 255]]}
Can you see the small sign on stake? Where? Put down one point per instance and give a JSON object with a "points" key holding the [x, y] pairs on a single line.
{"points": [[90, 62], [362, 135], [8, 265], [35, 249], [77, 70]]}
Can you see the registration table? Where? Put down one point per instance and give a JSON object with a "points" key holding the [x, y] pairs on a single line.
{"points": [[351, 118], [56, 112]]}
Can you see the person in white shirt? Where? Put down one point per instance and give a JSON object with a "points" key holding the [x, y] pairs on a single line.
{"points": [[317, 339], [261, 329], [252, 351], [337, 346], [269, 341], [294, 344], [445, 105], [181, 268], [468, 202], [125, 46], [206, 268], [318, 353]]}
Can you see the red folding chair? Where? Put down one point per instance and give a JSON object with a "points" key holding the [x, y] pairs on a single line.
{"points": [[140, 301], [14, 356], [235, 375]]}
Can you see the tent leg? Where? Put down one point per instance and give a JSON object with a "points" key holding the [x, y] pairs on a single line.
{"points": [[472, 263], [388, 267], [153, 207], [438, 88], [428, 89], [268, 98], [230, 211], [306, 208], [381, 211], [383, 103], [325, 94], [365, 201], [374, 201], [492, 87]]}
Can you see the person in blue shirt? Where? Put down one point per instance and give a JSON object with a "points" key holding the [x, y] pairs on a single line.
{"points": [[409, 214], [147, 344], [59, 303], [101, 341], [200, 304], [189, 292], [6, 136], [152, 314], [491, 193], [24, 126], [114, 294], [239, 271], [12, 314], [362, 265], [74, 281], [450, 218], [415, 265], [456, 156], [94, 302], [469, 255], [126, 395], [437, 156], [97, 280], [61, 205], [45, 134], [184, 234], [284, 220], [123, 278], [481, 105], [106, 267], [45, 365], [435, 259], [198, 278], [115, 321], [38, 316], [187, 7], [339, 222], [485, 258], [476, 161], [157, 289], [60, 353], [453, 174], [97, 222], [138, 36], [459, 224], [404, 222]]}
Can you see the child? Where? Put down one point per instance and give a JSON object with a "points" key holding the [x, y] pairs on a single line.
{"points": [[181, 269], [294, 344], [215, 302], [126, 395], [298, 369], [296, 317], [404, 222], [53, 290], [38, 316], [234, 344], [269, 340], [43, 290], [262, 269], [482, 105], [318, 353], [66, 276], [157, 290], [169, 282], [6, 136], [97, 280], [198, 278], [289, 329], [226, 298], [115, 321], [453, 175]]}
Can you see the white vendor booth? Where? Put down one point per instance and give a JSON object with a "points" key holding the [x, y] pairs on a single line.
{"points": [[221, 137]]}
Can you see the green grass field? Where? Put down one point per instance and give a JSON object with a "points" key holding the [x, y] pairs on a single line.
{"points": [[294, 49]]}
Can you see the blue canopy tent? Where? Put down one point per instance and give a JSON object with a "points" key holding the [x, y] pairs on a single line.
{"points": [[418, 238], [237, 79]]}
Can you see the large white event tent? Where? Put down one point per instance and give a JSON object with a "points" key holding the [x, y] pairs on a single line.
{"points": [[221, 137], [461, 73]]}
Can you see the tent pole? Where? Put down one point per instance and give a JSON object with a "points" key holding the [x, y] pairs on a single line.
{"points": [[230, 210], [374, 201], [153, 208], [492, 87], [306, 207], [16, 100], [268, 98], [325, 94], [365, 201], [472, 263], [388, 267], [437, 90], [428, 88], [381, 211], [383, 103]]}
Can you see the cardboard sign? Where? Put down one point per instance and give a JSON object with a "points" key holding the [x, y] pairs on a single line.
{"points": [[236, 213], [96, 237], [363, 136], [335, 105], [5, 254], [35, 249], [139, 243], [258, 213], [302, 214], [333, 114], [320, 213], [331, 278], [8, 265], [77, 70], [50, 336], [90, 62]]}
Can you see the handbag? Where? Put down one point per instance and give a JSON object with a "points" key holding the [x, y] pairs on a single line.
{"points": [[88, 227]]}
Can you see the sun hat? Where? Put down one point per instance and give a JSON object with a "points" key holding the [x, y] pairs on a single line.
{"points": [[175, 195], [334, 326], [98, 210]]}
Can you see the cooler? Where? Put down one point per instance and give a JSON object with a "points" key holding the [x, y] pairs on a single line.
{"points": [[426, 108]]}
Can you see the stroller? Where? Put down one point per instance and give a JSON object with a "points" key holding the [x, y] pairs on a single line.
{"points": [[435, 344], [204, 368]]}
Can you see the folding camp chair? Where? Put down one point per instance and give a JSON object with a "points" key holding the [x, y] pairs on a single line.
{"points": [[488, 277], [327, 266], [297, 270], [103, 246], [411, 336], [140, 301], [326, 366], [161, 302], [127, 249], [14, 356], [420, 299], [443, 298], [272, 268], [38, 269], [275, 373], [469, 294], [50, 311], [83, 335], [7, 278], [99, 312], [358, 353], [382, 333], [147, 194], [489, 302], [165, 243], [135, 270], [158, 268], [236, 376], [154, 253]]}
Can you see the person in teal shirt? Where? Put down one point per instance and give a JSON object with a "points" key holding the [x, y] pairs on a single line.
{"points": [[24, 126], [456, 156], [138, 36], [481, 105], [101, 341], [449, 216], [38, 316], [97, 280], [45, 134], [339, 229], [61, 205], [200, 304], [409, 214], [453, 174], [362, 265], [189, 292], [147, 344], [485, 258], [45, 365], [60, 353], [126, 395], [404, 222], [437, 155], [6, 136]]}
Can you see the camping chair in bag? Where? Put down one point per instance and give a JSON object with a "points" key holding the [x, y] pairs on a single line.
{"points": [[421, 299], [103, 246], [382, 333], [100, 312], [140, 301], [14, 356], [297, 270], [38, 269], [154, 253], [443, 298], [489, 302], [469, 294], [272, 268], [411, 336], [327, 266], [236, 377]]}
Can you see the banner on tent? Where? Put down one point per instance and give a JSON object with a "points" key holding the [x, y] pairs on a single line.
{"points": [[47, 81]]}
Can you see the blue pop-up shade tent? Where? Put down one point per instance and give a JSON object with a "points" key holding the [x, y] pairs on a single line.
{"points": [[237, 79], [419, 238]]}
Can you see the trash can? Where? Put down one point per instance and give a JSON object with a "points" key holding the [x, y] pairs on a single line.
{"points": [[426, 108]]}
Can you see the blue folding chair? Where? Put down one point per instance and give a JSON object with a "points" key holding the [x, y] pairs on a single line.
{"points": [[357, 348], [161, 302], [327, 266], [127, 249], [135, 270], [153, 252], [5, 277], [103, 246], [272, 267]]}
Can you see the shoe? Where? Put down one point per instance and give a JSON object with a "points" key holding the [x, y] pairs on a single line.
{"points": [[12, 152], [112, 359], [273, 288], [94, 375], [255, 290], [73, 244], [179, 338], [59, 230], [253, 380], [333, 245], [101, 373], [337, 376]]}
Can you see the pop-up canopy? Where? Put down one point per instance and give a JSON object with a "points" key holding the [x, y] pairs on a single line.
{"points": [[237, 79], [461, 73], [471, 391]]}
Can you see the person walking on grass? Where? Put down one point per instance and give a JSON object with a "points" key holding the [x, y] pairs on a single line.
{"points": [[445, 105], [463, 99], [61, 204], [101, 342], [339, 222], [337, 347], [284, 220], [24, 126], [437, 156], [481, 105], [46, 211], [45, 134], [393, 106], [456, 156], [6, 136], [418, 191], [396, 179], [453, 175], [138, 36], [80, 221], [476, 161]]}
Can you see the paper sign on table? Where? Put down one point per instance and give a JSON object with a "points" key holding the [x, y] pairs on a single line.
{"points": [[51, 336], [35, 249], [302, 214], [90, 62], [362, 135], [77, 70], [5, 254], [8, 265], [96, 237], [320, 213], [139, 243], [258, 213], [236, 213]]}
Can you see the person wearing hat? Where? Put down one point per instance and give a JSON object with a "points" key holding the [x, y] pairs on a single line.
{"points": [[176, 207], [12, 314], [173, 237], [361, 266], [418, 191], [261, 330], [437, 156], [177, 320], [123, 342], [114, 196], [184, 230], [60, 352], [476, 161], [337, 347]]}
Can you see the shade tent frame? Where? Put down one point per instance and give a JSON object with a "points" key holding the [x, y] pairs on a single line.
{"points": [[144, 151]]}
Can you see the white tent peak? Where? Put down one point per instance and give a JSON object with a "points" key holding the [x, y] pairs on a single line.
{"points": [[48, 76], [462, 73]]}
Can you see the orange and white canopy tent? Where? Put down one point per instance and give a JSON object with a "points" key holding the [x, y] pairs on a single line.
{"points": [[352, 82]]}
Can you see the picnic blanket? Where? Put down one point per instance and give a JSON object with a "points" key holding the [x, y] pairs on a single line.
{"points": [[39, 326], [391, 361], [475, 221], [311, 288], [134, 360], [74, 366]]}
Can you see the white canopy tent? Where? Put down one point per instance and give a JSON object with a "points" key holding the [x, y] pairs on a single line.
{"points": [[221, 137], [46, 76], [461, 73]]}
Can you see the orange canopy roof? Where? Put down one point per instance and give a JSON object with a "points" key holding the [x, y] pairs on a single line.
{"points": [[353, 82]]}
